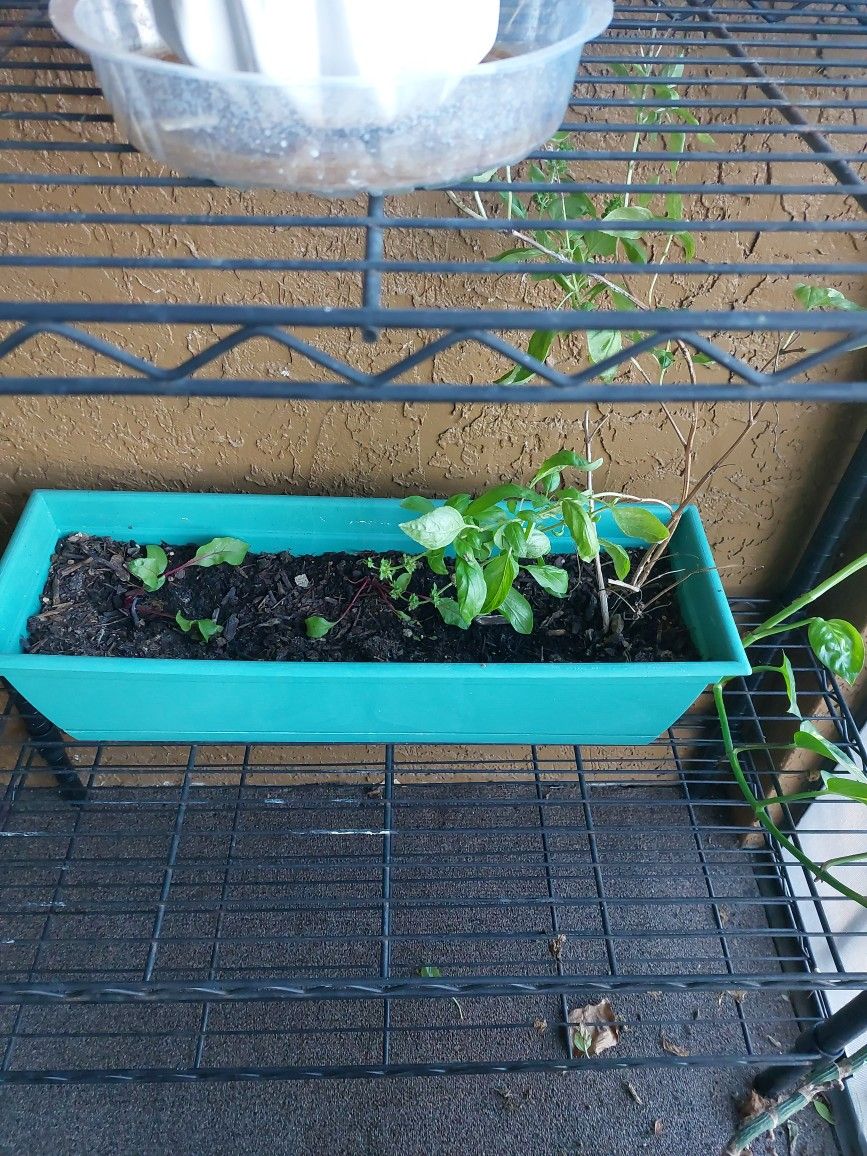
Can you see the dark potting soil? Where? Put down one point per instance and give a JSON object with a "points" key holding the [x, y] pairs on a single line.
{"points": [[91, 606]]}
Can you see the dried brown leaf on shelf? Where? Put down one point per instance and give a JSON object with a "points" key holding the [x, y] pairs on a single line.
{"points": [[593, 1029], [673, 1049]]}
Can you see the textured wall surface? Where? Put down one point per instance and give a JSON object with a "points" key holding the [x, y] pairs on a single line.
{"points": [[761, 507]]}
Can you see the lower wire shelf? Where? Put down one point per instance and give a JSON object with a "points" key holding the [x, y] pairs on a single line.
{"points": [[254, 912]]}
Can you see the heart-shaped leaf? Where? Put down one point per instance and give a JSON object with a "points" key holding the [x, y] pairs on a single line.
{"points": [[837, 645]]}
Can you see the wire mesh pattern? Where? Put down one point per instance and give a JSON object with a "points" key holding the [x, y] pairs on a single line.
{"points": [[236, 913], [121, 277]]}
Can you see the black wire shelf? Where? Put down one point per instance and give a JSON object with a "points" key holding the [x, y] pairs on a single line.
{"points": [[217, 292], [240, 913]]}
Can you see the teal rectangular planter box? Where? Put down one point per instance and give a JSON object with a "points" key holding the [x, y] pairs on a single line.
{"points": [[170, 700]]}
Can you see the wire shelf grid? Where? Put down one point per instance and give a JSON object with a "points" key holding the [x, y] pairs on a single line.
{"points": [[263, 911], [143, 282]]}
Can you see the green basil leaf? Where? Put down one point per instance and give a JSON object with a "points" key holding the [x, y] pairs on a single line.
{"points": [[186, 624], [538, 544], [618, 556], [318, 627], [565, 459], [436, 563], [582, 528], [514, 535], [628, 213], [837, 645], [471, 588], [400, 584], [550, 578], [500, 573], [814, 297], [231, 551], [460, 502], [417, 504], [636, 522], [517, 611], [451, 614], [436, 529], [495, 496]]}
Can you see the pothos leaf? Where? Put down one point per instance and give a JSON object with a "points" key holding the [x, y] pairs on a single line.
{"points": [[837, 645], [808, 738], [785, 669]]}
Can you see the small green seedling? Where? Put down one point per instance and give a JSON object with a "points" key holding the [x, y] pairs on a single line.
{"points": [[206, 628], [388, 583], [152, 570]]}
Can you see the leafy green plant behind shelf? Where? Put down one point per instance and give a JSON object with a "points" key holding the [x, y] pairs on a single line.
{"points": [[839, 647], [644, 223], [153, 570]]}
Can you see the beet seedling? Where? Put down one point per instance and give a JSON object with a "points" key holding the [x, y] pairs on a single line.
{"points": [[153, 570], [206, 628]]}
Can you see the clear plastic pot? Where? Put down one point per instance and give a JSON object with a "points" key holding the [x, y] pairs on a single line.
{"points": [[336, 135]]}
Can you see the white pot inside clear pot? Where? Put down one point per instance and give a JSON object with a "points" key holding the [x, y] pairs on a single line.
{"points": [[389, 47]]}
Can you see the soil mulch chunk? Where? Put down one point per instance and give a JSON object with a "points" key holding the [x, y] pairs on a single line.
{"points": [[91, 606]]}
